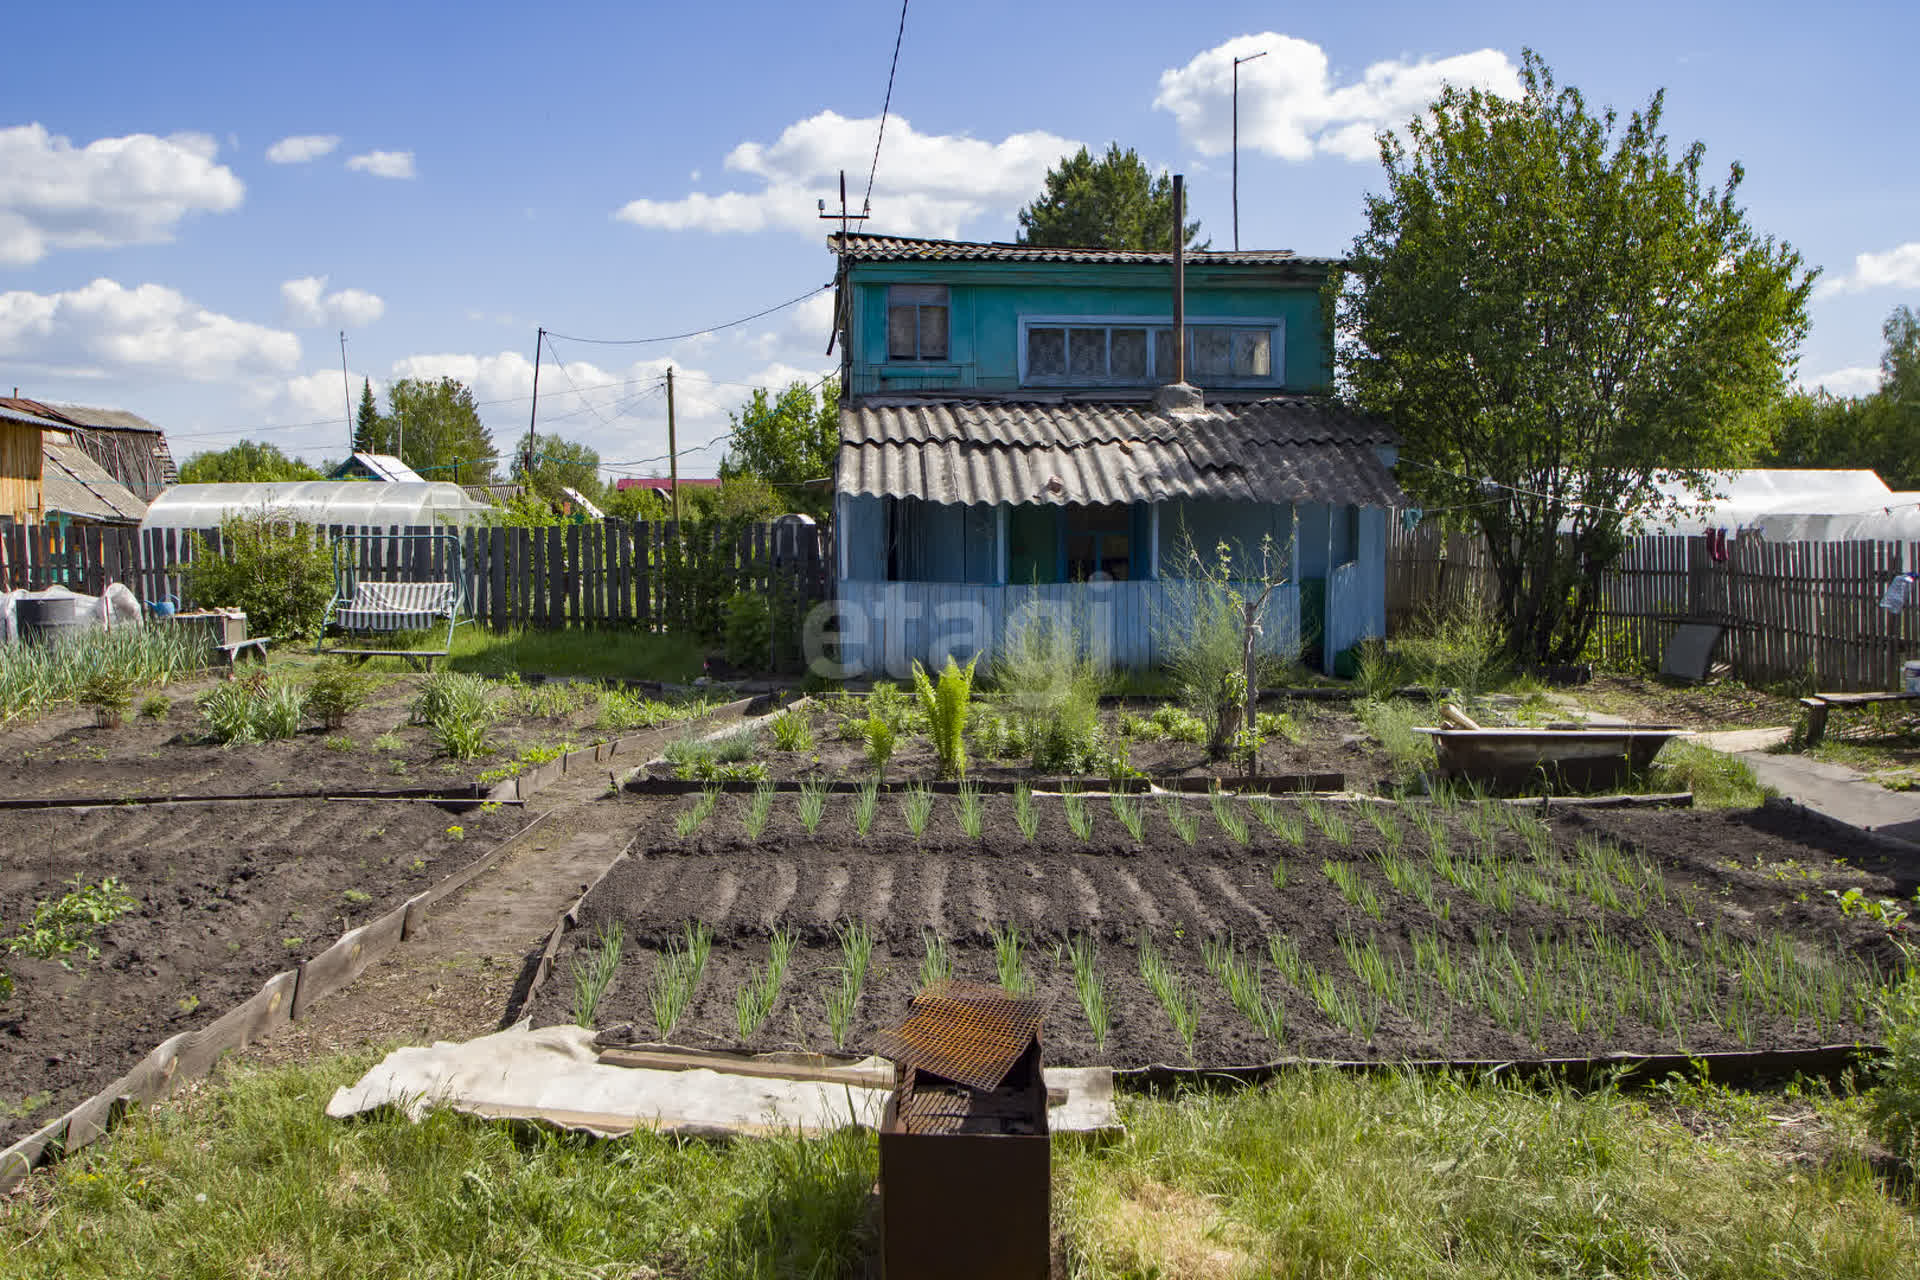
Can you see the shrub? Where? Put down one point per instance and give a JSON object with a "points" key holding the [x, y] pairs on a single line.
{"points": [[109, 692], [279, 571], [946, 704], [257, 708], [155, 706], [1205, 636], [748, 631], [333, 693], [1896, 1097], [458, 708], [1050, 692]]}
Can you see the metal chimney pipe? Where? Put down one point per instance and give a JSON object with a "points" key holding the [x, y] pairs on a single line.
{"points": [[1179, 278]]}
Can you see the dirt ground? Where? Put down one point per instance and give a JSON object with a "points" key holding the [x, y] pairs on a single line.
{"points": [[1747, 874], [63, 754], [227, 895]]}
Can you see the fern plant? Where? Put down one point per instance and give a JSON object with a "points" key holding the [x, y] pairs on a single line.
{"points": [[945, 703]]}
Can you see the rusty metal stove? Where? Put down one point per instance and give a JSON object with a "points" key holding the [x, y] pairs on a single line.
{"points": [[964, 1156]]}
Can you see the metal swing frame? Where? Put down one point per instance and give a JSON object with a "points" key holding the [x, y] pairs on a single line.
{"points": [[382, 606]]}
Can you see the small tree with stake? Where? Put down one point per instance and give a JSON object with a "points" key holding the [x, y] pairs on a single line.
{"points": [[1213, 633], [1557, 313]]}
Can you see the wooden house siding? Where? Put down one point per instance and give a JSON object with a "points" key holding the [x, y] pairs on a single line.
{"points": [[20, 462]]}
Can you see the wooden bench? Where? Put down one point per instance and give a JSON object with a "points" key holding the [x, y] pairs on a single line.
{"points": [[1820, 704]]}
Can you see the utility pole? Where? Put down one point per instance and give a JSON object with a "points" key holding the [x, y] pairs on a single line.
{"points": [[673, 452], [1236, 142], [539, 341], [346, 391], [1179, 278]]}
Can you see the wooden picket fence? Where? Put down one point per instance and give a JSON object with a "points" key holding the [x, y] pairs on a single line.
{"points": [[652, 576], [1793, 610]]}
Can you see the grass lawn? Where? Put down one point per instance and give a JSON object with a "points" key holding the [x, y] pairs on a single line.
{"points": [[612, 653], [1318, 1174]]}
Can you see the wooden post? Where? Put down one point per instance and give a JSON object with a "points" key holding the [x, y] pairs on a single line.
{"points": [[673, 453], [1179, 280]]}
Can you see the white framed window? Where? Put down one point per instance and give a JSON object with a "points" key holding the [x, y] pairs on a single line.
{"points": [[1119, 351], [917, 321]]}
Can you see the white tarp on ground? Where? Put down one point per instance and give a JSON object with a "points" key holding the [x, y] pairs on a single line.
{"points": [[553, 1075], [119, 607]]}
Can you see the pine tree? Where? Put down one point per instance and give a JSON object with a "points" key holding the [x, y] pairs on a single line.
{"points": [[369, 430]]}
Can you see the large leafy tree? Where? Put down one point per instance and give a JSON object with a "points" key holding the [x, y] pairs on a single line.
{"points": [[1556, 311], [1109, 203], [1877, 430], [558, 465], [250, 460], [437, 431], [789, 441]]}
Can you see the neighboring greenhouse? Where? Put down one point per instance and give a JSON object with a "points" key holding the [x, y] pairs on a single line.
{"points": [[352, 503]]}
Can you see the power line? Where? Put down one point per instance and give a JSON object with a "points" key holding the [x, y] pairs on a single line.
{"points": [[692, 333], [576, 387], [867, 203]]}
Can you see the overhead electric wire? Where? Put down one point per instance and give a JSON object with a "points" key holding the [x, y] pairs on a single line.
{"points": [[866, 204], [692, 333]]}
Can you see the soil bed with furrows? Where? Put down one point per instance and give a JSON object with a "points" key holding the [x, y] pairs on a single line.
{"points": [[1639, 932], [225, 896], [62, 754]]}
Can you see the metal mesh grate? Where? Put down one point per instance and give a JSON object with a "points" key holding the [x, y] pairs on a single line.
{"points": [[966, 1032]]}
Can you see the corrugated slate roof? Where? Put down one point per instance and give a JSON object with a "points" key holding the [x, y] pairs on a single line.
{"points": [[873, 248], [1286, 449], [72, 483]]}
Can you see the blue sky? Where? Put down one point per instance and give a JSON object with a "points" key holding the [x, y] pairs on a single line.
{"points": [[195, 205]]}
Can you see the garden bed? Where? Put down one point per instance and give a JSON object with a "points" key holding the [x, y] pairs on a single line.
{"points": [[63, 754], [224, 897], [1599, 932]]}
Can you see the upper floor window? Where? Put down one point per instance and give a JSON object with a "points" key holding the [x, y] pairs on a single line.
{"points": [[916, 322], [1124, 353]]}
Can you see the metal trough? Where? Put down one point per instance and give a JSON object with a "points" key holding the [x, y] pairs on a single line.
{"points": [[1570, 759]]}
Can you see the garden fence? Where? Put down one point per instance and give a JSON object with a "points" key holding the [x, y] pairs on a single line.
{"points": [[1794, 611], [658, 576]]}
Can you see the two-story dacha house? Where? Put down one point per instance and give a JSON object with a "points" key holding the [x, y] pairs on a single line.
{"points": [[1008, 446]]}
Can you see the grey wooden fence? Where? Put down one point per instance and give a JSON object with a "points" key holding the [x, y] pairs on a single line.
{"points": [[1791, 609]]}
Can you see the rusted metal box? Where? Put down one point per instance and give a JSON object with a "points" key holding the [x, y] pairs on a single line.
{"points": [[965, 1161]]}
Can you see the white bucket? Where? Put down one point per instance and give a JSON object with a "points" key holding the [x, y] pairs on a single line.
{"points": [[1910, 677]]}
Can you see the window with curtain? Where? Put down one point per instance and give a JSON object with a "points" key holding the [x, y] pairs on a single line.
{"points": [[917, 321]]}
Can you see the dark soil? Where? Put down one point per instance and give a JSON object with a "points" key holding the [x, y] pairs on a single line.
{"points": [[1744, 873], [63, 754], [1332, 740], [228, 895]]}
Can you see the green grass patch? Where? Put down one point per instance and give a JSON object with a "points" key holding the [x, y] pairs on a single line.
{"points": [[1717, 779], [1391, 723], [611, 653]]}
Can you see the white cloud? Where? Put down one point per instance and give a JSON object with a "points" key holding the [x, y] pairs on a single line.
{"points": [[318, 396], [1897, 268], [928, 184], [1291, 107], [113, 191], [106, 328], [303, 147], [383, 164], [1855, 380], [308, 305]]}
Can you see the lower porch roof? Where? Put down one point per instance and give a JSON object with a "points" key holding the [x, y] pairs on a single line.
{"points": [[1281, 449]]}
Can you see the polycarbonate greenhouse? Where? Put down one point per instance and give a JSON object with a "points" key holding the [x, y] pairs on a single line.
{"points": [[351, 503]]}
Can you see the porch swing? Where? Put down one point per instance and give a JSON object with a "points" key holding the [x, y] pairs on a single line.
{"points": [[422, 586]]}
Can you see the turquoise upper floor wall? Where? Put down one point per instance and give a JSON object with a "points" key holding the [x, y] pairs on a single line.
{"points": [[993, 307]]}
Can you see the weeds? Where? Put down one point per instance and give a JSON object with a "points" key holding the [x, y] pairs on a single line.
{"points": [[1173, 995], [969, 810], [936, 962], [1231, 820], [691, 821], [593, 971], [60, 926], [755, 999], [812, 804], [1009, 960], [759, 809], [676, 975], [1024, 814], [865, 804], [916, 807], [1079, 817], [1087, 986]]}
